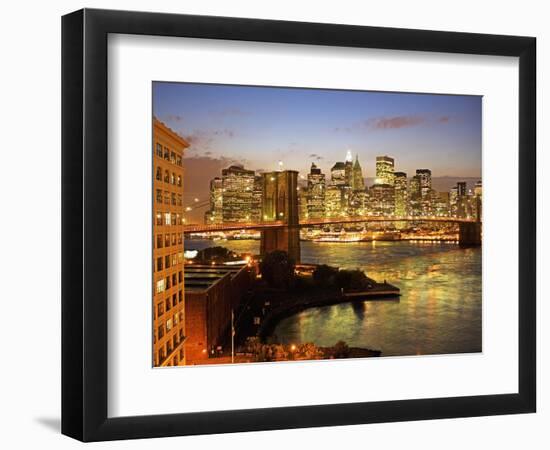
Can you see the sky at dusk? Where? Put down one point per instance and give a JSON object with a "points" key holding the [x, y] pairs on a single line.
{"points": [[259, 126]]}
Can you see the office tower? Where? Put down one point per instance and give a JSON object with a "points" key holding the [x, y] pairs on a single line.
{"points": [[357, 180], [425, 180], [441, 203], [382, 200], [461, 204], [477, 201], [401, 194], [348, 168], [334, 201], [238, 194], [168, 288], [215, 214], [338, 174], [315, 193], [384, 170], [415, 204], [256, 213]]}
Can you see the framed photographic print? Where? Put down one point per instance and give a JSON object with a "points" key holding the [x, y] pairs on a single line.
{"points": [[273, 224]]}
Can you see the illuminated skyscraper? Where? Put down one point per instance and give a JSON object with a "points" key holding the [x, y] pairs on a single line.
{"points": [[238, 194], [357, 180], [425, 180], [382, 200], [338, 174], [384, 170], [415, 204], [168, 295], [334, 201], [214, 215], [401, 194], [315, 192], [349, 168]]}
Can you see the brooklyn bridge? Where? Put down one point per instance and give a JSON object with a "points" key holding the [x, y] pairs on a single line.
{"points": [[280, 224]]}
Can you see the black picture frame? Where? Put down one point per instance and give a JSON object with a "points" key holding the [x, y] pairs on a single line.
{"points": [[84, 224]]}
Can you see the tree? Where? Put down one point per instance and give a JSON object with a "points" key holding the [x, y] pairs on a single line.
{"points": [[277, 269], [324, 275], [218, 253], [351, 279], [340, 350]]}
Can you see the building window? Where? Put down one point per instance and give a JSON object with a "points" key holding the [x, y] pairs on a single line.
{"points": [[167, 219], [166, 153], [160, 309], [174, 259], [178, 161], [168, 324], [174, 279], [167, 197], [167, 261], [159, 150], [159, 264], [180, 296], [161, 286], [159, 219], [174, 238], [180, 276], [168, 285], [159, 196], [159, 240], [174, 300], [180, 238], [179, 180], [161, 355], [166, 176], [168, 305], [161, 331], [167, 240], [172, 157], [159, 174], [173, 178]]}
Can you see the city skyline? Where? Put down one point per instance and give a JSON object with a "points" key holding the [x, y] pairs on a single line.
{"points": [[260, 126]]}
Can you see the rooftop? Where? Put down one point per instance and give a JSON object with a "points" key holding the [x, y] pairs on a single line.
{"points": [[201, 277]]}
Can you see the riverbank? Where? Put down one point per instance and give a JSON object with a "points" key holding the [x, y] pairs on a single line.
{"points": [[295, 304]]}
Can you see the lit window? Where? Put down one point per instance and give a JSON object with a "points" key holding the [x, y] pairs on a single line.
{"points": [[161, 286], [167, 220], [169, 324]]}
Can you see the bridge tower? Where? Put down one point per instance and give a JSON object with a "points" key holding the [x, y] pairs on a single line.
{"points": [[280, 203], [470, 232]]}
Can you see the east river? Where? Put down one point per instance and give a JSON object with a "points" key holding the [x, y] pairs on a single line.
{"points": [[439, 310]]}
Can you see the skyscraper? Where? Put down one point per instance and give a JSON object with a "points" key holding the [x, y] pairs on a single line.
{"points": [[401, 194], [348, 168], [168, 295], [238, 194], [382, 200], [384, 170], [315, 192], [425, 180], [357, 180], [415, 204], [338, 174], [214, 214]]}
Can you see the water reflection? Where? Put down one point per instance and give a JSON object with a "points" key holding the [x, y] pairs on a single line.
{"points": [[439, 310]]}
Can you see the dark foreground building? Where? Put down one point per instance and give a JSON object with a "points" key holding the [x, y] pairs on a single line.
{"points": [[211, 292]]}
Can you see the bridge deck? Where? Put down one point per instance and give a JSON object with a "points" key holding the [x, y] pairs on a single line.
{"points": [[200, 228]]}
